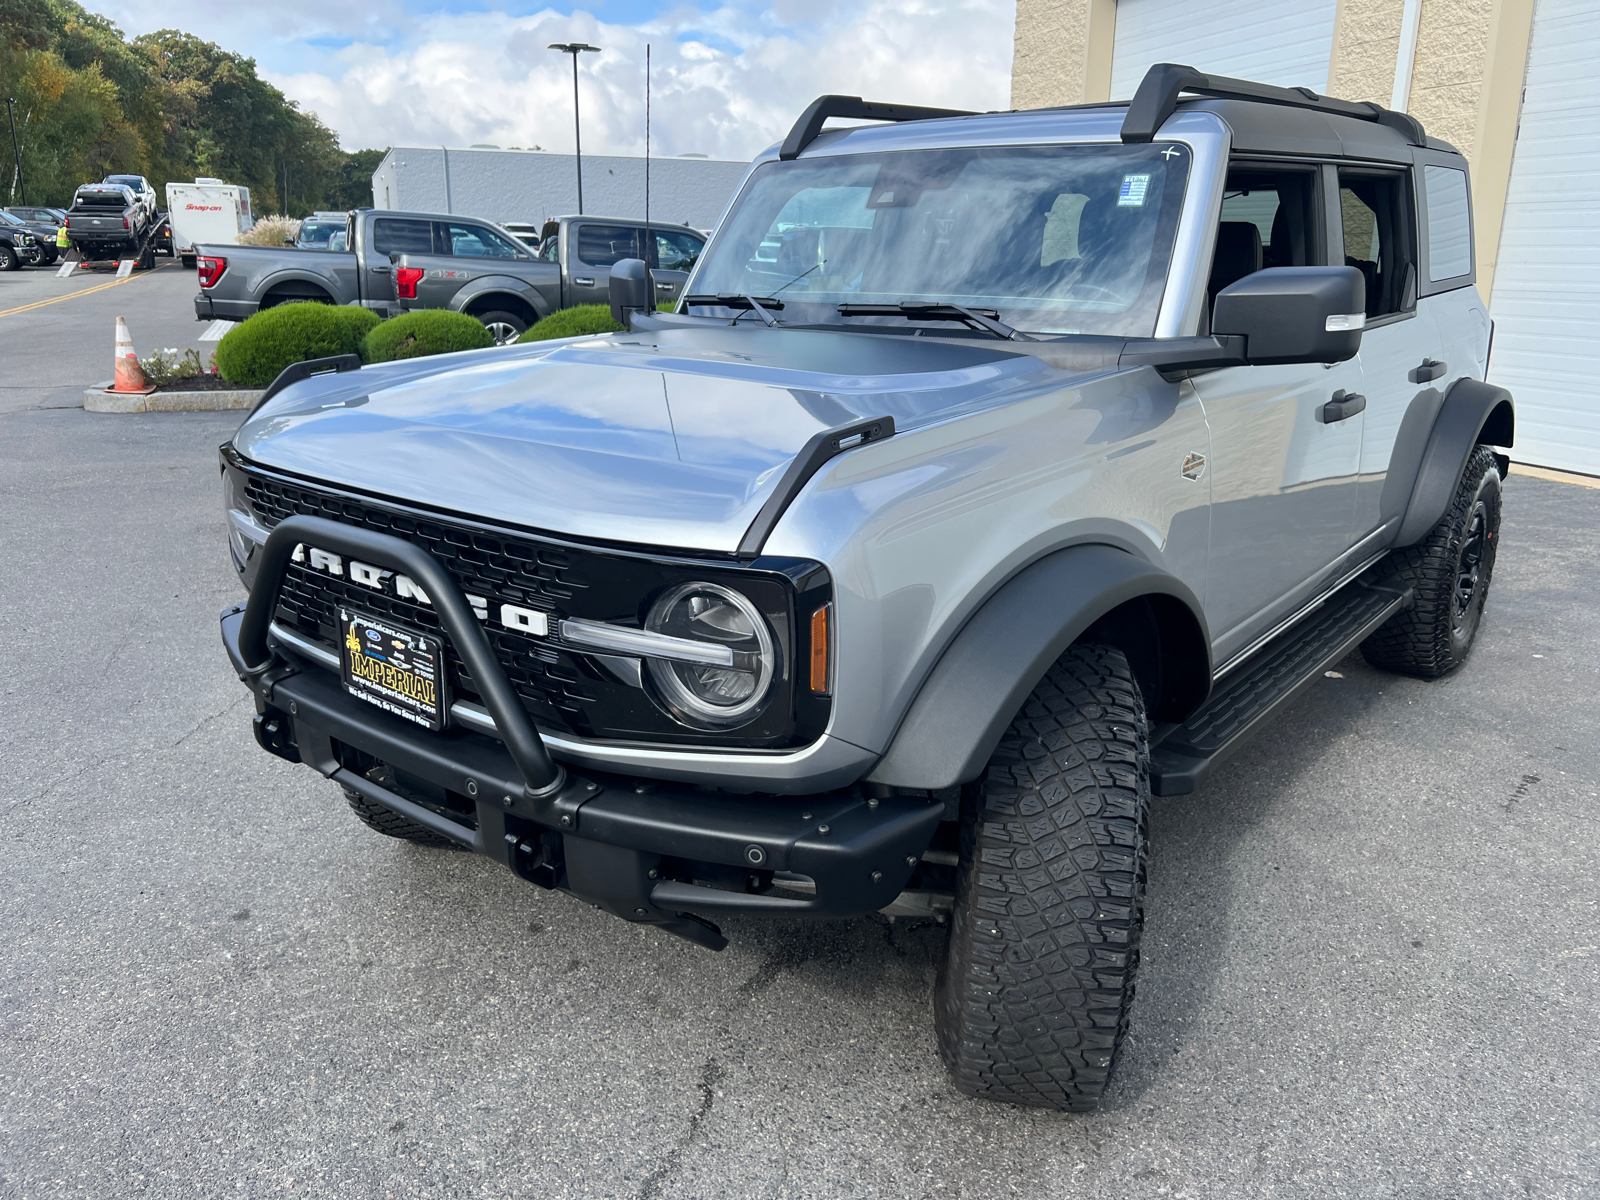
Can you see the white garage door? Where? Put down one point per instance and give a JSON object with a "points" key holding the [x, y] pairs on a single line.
{"points": [[1286, 42], [1546, 303]]}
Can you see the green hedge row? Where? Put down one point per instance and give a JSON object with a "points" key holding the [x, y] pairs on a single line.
{"points": [[253, 352]]}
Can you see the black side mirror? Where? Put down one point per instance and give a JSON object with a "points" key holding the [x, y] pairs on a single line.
{"points": [[288, 241], [1295, 314], [630, 290]]}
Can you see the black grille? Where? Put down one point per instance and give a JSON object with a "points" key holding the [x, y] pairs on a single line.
{"points": [[563, 689]]}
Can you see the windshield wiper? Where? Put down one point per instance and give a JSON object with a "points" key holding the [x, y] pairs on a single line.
{"points": [[912, 310], [755, 304]]}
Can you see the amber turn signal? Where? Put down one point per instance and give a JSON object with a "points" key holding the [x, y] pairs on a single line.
{"points": [[819, 651]]}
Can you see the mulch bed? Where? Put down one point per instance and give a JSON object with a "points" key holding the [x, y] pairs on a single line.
{"points": [[202, 383]]}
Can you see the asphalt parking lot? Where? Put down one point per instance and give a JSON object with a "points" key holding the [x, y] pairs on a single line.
{"points": [[1372, 962]]}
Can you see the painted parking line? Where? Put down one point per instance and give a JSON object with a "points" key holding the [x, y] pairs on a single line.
{"points": [[215, 330], [22, 308]]}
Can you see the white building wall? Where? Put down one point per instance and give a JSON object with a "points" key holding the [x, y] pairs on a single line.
{"points": [[524, 185]]}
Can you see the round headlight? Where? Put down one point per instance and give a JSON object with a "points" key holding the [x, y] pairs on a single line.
{"points": [[714, 697]]}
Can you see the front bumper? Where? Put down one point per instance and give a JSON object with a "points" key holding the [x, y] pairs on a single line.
{"points": [[652, 852]]}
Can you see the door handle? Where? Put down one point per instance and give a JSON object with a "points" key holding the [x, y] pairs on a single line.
{"points": [[582, 282], [665, 287], [1342, 407], [1430, 370], [380, 270]]}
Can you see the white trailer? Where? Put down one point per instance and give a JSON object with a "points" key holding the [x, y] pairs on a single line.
{"points": [[208, 212]]}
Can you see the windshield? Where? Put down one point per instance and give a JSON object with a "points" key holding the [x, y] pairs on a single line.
{"points": [[9, 219], [1055, 239], [316, 233], [132, 182]]}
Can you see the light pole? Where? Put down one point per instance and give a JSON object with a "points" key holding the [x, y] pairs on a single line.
{"points": [[575, 49], [11, 110]]}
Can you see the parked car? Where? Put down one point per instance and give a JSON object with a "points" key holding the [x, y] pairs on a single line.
{"points": [[18, 247], [143, 193], [526, 232], [38, 216], [316, 229], [207, 211], [451, 262], [985, 485], [44, 235]]}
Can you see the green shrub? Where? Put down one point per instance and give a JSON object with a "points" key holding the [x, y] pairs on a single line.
{"points": [[362, 321], [430, 331], [584, 320], [253, 352]]}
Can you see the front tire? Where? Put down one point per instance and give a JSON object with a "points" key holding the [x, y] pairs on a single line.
{"points": [[9, 260], [390, 823], [1450, 570], [1033, 998]]}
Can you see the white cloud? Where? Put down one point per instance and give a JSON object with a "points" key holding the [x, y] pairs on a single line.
{"points": [[731, 86]]}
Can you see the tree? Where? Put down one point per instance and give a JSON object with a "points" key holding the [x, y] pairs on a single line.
{"points": [[167, 105], [353, 186]]}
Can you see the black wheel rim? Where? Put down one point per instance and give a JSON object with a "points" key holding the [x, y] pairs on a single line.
{"points": [[1469, 570]]}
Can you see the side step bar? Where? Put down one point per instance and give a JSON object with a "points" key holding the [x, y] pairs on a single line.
{"points": [[1184, 754]]}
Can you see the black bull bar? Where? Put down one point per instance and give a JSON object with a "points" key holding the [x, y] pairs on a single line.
{"points": [[640, 849]]}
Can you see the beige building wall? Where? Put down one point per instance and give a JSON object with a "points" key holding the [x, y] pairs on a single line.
{"points": [[1466, 81]]}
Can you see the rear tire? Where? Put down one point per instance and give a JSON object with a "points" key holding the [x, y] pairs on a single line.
{"points": [[188, 262], [504, 327], [390, 823], [1033, 998], [1450, 570]]}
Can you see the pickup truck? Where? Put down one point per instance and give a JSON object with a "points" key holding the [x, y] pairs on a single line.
{"points": [[453, 262], [999, 473], [573, 268], [110, 221]]}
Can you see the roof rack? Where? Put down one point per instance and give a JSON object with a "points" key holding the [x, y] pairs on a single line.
{"points": [[1157, 99], [809, 125]]}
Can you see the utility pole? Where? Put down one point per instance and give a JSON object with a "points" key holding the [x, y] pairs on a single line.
{"points": [[647, 147], [575, 49], [16, 147]]}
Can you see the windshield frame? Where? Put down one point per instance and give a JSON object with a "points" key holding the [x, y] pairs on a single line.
{"points": [[1141, 315]]}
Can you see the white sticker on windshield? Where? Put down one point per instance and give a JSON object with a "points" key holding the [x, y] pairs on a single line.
{"points": [[1133, 189]]}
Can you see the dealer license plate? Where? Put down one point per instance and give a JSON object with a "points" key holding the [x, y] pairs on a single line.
{"points": [[399, 669]]}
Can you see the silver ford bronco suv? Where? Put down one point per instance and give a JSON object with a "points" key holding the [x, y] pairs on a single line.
{"points": [[996, 473]]}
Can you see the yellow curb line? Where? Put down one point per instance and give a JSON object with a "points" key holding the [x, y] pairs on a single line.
{"points": [[1588, 481], [85, 292]]}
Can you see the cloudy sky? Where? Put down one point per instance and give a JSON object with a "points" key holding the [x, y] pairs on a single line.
{"points": [[727, 80]]}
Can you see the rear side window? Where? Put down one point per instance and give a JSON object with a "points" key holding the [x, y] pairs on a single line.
{"points": [[1377, 238], [390, 236], [606, 245], [1449, 223]]}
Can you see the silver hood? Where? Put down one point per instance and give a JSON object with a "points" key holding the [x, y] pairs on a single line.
{"points": [[671, 438]]}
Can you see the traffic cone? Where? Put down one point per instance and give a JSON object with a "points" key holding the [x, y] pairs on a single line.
{"points": [[128, 378]]}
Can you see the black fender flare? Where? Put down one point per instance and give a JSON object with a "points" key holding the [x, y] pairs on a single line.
{"points": [[1473, 413], [1002, 652]]}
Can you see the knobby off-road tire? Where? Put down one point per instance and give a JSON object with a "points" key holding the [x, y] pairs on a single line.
{"points": [[390, 823], [1032, 1000], [1450, 570]]}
